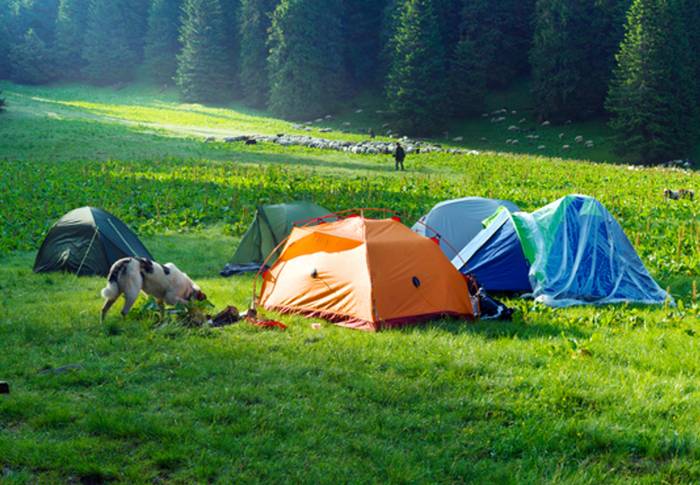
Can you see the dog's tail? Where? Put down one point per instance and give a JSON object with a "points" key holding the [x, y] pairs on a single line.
{"points": [[111, 291]]}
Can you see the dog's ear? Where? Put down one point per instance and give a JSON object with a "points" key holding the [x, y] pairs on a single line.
{"points": [[146, 265]]}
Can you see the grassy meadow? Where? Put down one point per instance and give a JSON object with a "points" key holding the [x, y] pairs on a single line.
{"points": [[582, 395]]}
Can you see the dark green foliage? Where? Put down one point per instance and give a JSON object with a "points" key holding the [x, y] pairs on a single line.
{"points": [[5, 18], [305, 62], [502, 33], [574, 54], [70, 32], [654, 89], [254, 24], [362, 32], [108, 50], [136, 15], [162, 40], [202, 72], [467, 80], [232, 46], [30, 60], [416, 85]]}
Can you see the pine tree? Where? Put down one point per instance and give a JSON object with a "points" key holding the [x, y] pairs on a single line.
{"points": [[306, 58], [30, 60], [502, 32], [5, 37], [107, 45], [467, 80], [202, 73], [573, 55], [232, 46], [416, 87], [362, 39], [162, 40], [70, 28], [136, 15], [254, 24], [653, 92]]}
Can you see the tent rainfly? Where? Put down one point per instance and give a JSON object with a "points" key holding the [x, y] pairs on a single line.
{"points": [[366, 274], [87, 241], [573, 252], [271, 225], [457, 221]]}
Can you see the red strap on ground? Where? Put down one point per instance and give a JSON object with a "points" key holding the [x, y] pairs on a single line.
{"points": [[267, 323]]}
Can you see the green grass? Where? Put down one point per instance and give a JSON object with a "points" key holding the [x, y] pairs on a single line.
{"points": [[583, 395]]}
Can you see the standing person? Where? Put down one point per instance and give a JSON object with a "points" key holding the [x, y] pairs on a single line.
{"points": [[399, 156], [371, 133]]}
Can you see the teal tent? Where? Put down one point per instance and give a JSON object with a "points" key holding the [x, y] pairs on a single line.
{"points": [[572, 250], [271, 225], [87, 241]]}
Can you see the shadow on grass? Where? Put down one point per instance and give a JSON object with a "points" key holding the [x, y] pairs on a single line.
{"points": [[498, 329]]}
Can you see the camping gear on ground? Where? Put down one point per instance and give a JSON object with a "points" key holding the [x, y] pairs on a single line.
{"points": [[456, 222], [87, 241], [576, 251], [367, 274], [489, 308], [227, 316], [272, 224]]}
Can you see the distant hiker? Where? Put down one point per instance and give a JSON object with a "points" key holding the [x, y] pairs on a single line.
{"points": [[399, 156], [371, 133]]}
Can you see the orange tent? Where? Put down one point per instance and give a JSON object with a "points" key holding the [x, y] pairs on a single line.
{"points": [[364, 273]]}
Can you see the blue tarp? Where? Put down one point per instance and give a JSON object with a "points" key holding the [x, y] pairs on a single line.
{"points": [[576, 251]]}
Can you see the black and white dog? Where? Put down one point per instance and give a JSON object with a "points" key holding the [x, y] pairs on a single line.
{"points": [[165, 282]]}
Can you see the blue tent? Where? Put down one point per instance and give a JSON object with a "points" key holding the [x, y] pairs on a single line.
{"points": [[576, 251], [457, 221], [495, 257]]}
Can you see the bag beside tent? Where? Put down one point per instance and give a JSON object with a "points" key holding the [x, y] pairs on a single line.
{"points": [[87, 241], [271, 225], [458, 221], [366, 274]]}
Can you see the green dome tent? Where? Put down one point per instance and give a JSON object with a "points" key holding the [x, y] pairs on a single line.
{"points": [[87, 241], [272, 224]]}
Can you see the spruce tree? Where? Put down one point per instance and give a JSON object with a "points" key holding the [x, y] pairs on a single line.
{"points": [[107, 45], [202, 72], [502, 33], [232, 46], [136, 14], [5, 37], [573, 55], [162, 40], [70, 28], [306, 58], [30, 60], [254, 24], [416, 84], [467, 80], [362, 33], [653, 92]]}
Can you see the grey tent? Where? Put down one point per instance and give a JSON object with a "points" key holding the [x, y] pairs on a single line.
{"points": [[87, 241], [457, 221], [272, 224]]}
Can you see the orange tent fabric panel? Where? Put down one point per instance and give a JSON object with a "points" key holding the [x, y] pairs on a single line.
{"points": [[365, 274]]}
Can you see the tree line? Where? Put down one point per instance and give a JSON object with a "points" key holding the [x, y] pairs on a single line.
{"points": [[636, 62]]}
